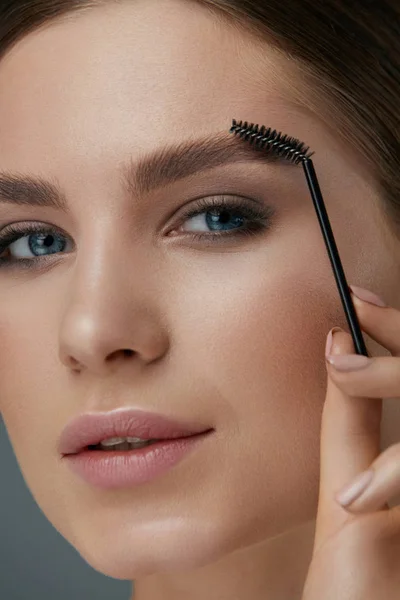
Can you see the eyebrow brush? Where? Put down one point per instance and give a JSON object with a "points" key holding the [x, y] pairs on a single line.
{"points": [[296, 152]]}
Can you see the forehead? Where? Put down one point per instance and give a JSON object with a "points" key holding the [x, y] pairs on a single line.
{"points": [[135, 73]]}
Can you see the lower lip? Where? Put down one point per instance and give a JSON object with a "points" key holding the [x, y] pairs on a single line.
{"points": [[120, 469]]}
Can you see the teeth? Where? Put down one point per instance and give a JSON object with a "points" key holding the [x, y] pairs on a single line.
{"points": [[128, 443], [119, 440]]}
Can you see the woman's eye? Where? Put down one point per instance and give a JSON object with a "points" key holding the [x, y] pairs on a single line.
{"points": [[215, 220], [38, 244], [220, 218], [29, 245]]}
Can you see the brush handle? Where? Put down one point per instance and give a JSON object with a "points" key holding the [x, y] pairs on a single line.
{"points": [[334, 257]]}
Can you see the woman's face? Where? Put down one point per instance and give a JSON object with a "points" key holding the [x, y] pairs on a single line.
{"points": [[225, 331]]}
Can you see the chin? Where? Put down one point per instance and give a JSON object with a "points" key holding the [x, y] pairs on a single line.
{"points": [[140, 553]]}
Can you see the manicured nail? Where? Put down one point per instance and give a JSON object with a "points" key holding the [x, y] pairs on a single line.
{"points": [[353, 491], [348, 362], [367, 296], [329, 340]]}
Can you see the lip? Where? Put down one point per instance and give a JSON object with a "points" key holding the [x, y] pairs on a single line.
{"points": [[124, 469], [91, 428]]}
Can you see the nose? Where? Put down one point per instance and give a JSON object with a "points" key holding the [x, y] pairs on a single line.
{"points": [[112, 318]]}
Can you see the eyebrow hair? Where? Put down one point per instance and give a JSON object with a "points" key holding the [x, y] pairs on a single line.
{"points": [[149, 172]]}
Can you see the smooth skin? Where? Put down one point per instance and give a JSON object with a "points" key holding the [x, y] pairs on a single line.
{"points": [[357, 545], [229, 334]]}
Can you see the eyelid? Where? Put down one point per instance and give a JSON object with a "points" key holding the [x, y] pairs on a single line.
{"points": [[256, 208], [15, 231], [259, 218]]}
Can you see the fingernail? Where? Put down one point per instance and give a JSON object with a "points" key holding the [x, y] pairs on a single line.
{"points": [[348, 362], [353, 491], [367, 296], [329, 340]]}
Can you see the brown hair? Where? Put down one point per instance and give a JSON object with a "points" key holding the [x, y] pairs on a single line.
{"points": [[348, 52]]}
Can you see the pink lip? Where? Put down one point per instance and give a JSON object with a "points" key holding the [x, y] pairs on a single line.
{"points": [[90, 429], [122, 469]]}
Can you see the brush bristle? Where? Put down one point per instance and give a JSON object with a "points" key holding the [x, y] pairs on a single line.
{"points": [[272, 141]]}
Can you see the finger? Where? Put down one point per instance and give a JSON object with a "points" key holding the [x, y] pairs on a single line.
{"points": [[350, 442], [380, 378], [381, 324], [385, 483]]}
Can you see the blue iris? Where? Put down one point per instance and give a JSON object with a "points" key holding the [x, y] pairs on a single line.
{"points": [[219, 218], [45, 241]]}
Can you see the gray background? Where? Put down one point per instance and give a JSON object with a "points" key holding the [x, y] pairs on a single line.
{"points": [[35, 560]]}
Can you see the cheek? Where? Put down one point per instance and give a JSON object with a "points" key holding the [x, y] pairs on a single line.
{"points": [[258, 340], [30, 404], [258, 327], [33, 401], [263, 346]]}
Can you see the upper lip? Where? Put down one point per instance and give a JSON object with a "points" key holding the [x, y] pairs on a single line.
{"points": [[92, 428]]}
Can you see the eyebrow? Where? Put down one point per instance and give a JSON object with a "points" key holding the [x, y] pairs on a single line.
{"points": [[151, 171]]}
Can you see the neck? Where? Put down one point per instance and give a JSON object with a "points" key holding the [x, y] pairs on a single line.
{"points": [[271, 570]]}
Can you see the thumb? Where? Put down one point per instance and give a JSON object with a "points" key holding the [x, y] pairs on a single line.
{"points": [[350, 442]]}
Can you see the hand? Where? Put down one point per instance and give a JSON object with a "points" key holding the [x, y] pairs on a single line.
{"points": [[356, 553]]}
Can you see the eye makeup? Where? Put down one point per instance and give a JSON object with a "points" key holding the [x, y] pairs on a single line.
{"points": [[275, 143]]}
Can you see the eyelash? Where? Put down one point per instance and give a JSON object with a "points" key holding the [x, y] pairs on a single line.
{"points": [[259, 218]]}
